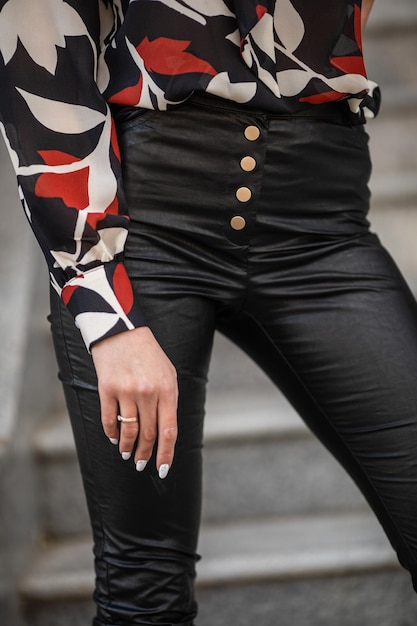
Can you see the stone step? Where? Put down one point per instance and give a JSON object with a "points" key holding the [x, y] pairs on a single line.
{"points": [[393, 150], [262, 471], [394, 155], [397, 228], [390, 47], [393, 190], [342, 568], [388, 16], [259, 458], [390, 43]]}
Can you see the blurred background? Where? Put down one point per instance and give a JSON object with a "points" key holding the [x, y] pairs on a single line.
{"points": [[286, 538]]}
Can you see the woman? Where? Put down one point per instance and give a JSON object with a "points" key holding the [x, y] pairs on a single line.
{"points": [[231, 132]]}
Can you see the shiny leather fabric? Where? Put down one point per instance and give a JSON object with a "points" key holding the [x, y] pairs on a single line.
{"points": [[303, 287]]}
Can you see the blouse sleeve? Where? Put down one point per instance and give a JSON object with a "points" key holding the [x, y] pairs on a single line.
{"points": [[61, 139]]}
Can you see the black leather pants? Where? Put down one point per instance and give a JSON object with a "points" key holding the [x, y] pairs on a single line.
{"points": [[303, 287]]}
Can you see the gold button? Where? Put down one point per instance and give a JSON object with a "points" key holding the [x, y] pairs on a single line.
{"points": [[243, 194], [252, 133], [248, 164], [238, 222]]}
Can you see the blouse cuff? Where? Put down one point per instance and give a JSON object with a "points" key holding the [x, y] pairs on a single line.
{"points": [[102, 303]]}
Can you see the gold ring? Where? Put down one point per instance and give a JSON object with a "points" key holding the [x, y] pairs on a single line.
{"points": [[127, 420]]}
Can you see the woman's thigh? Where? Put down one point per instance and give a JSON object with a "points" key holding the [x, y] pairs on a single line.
{"points": [[145, 530], [335, 326]]}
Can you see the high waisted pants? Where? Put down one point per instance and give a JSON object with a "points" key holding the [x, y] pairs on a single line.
{"points": [[275, 252]]}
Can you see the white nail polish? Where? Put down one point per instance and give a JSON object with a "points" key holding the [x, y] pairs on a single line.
{"points": [[126, 456], [163, 470], [115, 442], [140, 465]]}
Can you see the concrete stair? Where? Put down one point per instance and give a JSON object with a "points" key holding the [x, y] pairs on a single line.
{"points": [[323, 569], [391, 52], [275, 448], [287, 539]]}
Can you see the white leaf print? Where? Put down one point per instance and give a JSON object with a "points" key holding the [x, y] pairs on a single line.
{"points": [[41, 26], [62, 117], [198, 8], [220, 85], [209, 7], [234, 37], [292, 82], [107, 22], [354, 104], [54, 283], [102, 184], [118, 8], [103, 74], [348, 83], [95, 324], [65, 259], [288, 25], [108, 25], [262, 34], [250, 58], [112, 242]]}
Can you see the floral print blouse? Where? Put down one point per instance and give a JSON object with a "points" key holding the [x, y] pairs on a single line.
{"points": [[62, 63]]}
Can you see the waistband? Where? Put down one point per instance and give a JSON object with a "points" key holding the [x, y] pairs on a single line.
{"points": [[337, 112]]}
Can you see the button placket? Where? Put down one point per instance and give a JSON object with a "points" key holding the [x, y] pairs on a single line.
{"points": [[247, 164]]}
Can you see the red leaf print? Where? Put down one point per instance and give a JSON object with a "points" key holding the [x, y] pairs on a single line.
{"points": [[71, 187], [260, 11], [123, 288], [67, 292], [113, 208], [114, 142], [169, 56], [94, 218], [56, 157], [129, 96], [358, 26], [350, 65]]}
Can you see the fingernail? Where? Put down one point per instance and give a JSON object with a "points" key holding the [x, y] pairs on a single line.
{"points": [[163, 470], [140, 465], [115, 442], [126, 456]]}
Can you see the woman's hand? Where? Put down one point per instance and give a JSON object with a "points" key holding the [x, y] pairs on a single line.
{"points": [[137, 380]]}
